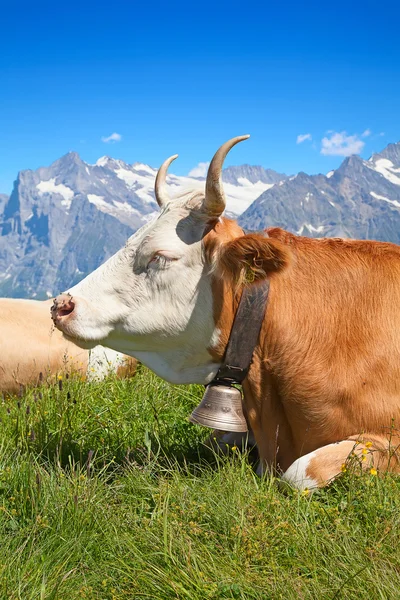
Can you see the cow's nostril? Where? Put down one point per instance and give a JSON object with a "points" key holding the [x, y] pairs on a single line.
{"points": [[63, 306], [65, 309]]}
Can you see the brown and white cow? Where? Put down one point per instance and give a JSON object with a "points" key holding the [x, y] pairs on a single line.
{"points": [[325, 378], [30, 345]]}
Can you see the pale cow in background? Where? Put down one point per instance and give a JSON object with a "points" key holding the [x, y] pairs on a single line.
{"points": [[31, 348]]}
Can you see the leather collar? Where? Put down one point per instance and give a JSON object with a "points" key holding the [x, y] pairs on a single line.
{"points": [[244, 334]]}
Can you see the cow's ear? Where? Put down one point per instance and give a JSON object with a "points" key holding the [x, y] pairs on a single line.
{"points": [[251, 258]]}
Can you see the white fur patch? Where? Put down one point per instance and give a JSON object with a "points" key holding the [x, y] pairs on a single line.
{"points": [[296, 474], [215, 337]]}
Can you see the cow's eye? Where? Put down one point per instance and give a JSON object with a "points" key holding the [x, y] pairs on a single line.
{"points": [[159, 261]]}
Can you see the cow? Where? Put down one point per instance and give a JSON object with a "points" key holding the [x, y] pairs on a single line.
{"points": [[324, 383], [33, 349]]}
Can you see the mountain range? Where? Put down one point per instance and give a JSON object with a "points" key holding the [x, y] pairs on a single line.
{"points": [[61, 222], [361, 199]]}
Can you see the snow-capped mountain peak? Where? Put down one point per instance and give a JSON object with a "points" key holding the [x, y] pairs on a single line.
{"points": [[360, 199]]}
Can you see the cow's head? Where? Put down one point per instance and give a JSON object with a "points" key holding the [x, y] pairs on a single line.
{"points": [[168, 297]]}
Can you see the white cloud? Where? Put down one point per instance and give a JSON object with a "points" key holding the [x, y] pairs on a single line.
{"points": [[114, 137], [303, 137], [341, 144], [200, 170], [366, 133]]}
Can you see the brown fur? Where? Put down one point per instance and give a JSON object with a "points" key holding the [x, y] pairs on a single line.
{"points": [[328, 363]]}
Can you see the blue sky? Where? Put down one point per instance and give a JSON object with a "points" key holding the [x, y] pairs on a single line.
{"points": [[178, 77]]}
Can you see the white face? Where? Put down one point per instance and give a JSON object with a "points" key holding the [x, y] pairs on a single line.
{"points": [[153, 299]]}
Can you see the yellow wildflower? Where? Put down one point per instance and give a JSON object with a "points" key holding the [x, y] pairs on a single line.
{"points": [[343, 468], [368, 444], [373, 471], [234, 448]]}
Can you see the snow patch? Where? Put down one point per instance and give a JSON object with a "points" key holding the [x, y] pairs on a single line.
{"points": [[310, 227], [144, 168], [99, 202], [142, 183], [243, 181], [145, 195], [51, 187], [102, 161], [318, 229], [119, 210], [386, 168], [129, 177], [329, 175], [238, 199], [124, 206], [378, 197]]}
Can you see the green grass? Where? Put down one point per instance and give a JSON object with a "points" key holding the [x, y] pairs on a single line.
{"points": [[107, 492]]}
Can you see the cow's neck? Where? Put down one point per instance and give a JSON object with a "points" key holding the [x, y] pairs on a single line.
{"points": [[180, 367]]}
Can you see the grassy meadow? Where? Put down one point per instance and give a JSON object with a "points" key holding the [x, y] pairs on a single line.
{"points": [[107, 492]]}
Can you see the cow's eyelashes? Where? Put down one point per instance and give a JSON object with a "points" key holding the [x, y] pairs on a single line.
{"points": [[160, 261]]}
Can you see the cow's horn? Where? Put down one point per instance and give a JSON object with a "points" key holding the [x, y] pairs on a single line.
{"points": [[160, 190], [214, 203]]}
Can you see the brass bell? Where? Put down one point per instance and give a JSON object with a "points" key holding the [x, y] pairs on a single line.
{"points": [[220, 408]]}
